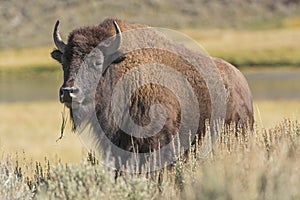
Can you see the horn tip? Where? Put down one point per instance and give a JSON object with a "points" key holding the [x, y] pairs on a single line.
{"points": [[116, 25], [56, 23], [118, 30]]}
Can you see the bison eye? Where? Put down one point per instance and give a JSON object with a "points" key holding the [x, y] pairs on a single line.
{"points": [[95, 62], [98, 62]]}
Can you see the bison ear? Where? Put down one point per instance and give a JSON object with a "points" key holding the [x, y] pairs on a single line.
{"points": [[56, 54]]}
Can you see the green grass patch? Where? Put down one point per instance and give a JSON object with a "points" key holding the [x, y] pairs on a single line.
{"points": [[30, 70]]}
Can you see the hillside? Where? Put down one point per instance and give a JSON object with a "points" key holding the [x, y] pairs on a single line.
{"points": [[27, 23]]}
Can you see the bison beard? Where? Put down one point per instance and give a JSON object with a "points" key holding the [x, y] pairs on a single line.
{"points": [[81, 41]]}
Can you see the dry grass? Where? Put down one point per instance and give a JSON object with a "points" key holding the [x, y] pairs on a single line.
{"points": [[256, 47], [261, 165], [28, 58], [269, 113], [34, 128]]}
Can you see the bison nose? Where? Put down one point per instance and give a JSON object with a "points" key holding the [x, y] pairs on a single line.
{"points": [[67, 93]]}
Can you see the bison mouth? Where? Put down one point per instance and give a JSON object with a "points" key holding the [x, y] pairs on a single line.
{"points": [[68, 104]]}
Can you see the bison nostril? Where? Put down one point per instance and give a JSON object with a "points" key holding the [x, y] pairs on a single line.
{"points": [[70, 90], [67, 93]]}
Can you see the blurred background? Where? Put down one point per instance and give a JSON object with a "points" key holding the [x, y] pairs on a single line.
{"points": [[260, 37]]}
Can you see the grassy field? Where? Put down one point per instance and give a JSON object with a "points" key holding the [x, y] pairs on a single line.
{"points": [[34, 127], [265, 166], [262, 165], [251, 48], [12, 59]]}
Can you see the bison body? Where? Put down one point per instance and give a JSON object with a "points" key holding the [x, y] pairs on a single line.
{"points": [[237, 102]]}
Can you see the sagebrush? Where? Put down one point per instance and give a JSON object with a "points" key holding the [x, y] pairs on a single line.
{"points": [[259, 165]]}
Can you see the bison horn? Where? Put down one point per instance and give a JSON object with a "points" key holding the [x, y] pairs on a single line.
{"points": [[57, 39], [114, 45]]}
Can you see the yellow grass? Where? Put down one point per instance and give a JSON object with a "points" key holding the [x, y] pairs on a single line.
{"points": [[38, 56], [34, 127], [251, 47], [270, 113]]}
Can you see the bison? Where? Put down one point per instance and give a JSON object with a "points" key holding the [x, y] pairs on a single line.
{"points": [[148, 101]]}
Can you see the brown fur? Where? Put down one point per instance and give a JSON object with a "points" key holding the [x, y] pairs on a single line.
{"points": [[83, 40]]}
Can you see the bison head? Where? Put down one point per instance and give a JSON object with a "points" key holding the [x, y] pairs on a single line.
{"points": [[80, 43]]}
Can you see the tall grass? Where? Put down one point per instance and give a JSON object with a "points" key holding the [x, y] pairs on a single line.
{"points": [[34, 127], [259, 165]]}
